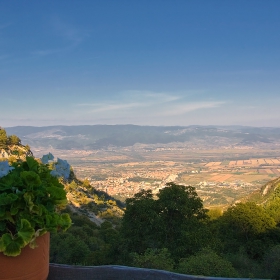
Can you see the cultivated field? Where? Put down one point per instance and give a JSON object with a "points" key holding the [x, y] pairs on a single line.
{"points": [[221, 176]]}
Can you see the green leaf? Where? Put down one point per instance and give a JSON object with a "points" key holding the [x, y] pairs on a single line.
{"points": [[52, 221], [7, 216], [14, 210], [2, 226], [2, 211], [10, 180], [26, 231], [28, 197], [17, 206], [31, 179], [6, 199], [62, 202], [32, 163], [65, 221], [56, 193], [37, 209], [11, 246]]}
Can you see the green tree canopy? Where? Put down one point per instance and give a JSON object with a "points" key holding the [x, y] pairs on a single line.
{"points": [[247, 226], [173, 220], [247, 220], [13, 140], [182, 215], [3, 139], [154, 258], [273, 209], [140, 222], [207, 263]]}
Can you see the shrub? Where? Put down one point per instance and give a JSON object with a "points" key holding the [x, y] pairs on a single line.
{"points": [[207, 263], [154, 258], [271, 262]]}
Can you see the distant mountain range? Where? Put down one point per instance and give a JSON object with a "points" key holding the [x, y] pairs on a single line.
{"points": [[104, 136]]}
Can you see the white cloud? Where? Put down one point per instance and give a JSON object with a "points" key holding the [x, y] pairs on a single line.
{"points": [[115, 107], [181, 109], [150, 96], [141, 106]]}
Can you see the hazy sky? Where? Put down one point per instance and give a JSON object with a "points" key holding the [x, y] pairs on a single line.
{"points": [[147, 62]]}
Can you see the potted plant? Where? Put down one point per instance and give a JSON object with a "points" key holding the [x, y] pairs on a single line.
{"points": [[31, 195]]}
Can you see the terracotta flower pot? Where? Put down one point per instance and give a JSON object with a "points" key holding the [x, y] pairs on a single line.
{"points": [[31, 264]]}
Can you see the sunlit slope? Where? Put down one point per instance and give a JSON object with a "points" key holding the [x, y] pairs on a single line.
{"points": [[267, 193], [82, 197]]}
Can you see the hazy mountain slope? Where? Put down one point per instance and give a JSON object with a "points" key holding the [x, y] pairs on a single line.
{"points": [[102, 136]]}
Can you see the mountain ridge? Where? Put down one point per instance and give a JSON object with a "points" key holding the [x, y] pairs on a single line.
{"points": [[103, 136]]}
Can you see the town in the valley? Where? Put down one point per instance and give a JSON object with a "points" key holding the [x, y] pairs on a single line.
{"points": [[220, 177]]}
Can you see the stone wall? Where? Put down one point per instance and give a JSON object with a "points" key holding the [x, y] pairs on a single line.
{"points": [[115, 272]]}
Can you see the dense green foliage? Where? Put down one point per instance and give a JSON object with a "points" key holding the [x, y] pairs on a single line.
{"points": [[207, 262], [153, 258], [85, 243], [31, 196], [3, 139], [173, 231], [170, 221], [272, 207], [6, 140], [29, 199]]}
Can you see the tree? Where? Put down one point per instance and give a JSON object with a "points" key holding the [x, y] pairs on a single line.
{"points": [[244, 265], [68, 249], [3, 139], [85, 243], [13, 140], [175, 221], [180, 202], [140, 222], [273, 209], [271, 262], [207, 263], [247, 220], [182, 215], [248, 226], [215, 213], [154, 258], [86, 184]]}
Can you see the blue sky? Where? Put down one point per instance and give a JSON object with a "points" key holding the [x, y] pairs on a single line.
{"points": [[146, 62]]}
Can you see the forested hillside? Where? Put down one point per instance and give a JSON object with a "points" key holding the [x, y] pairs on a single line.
{"points": [[171, 230]]}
